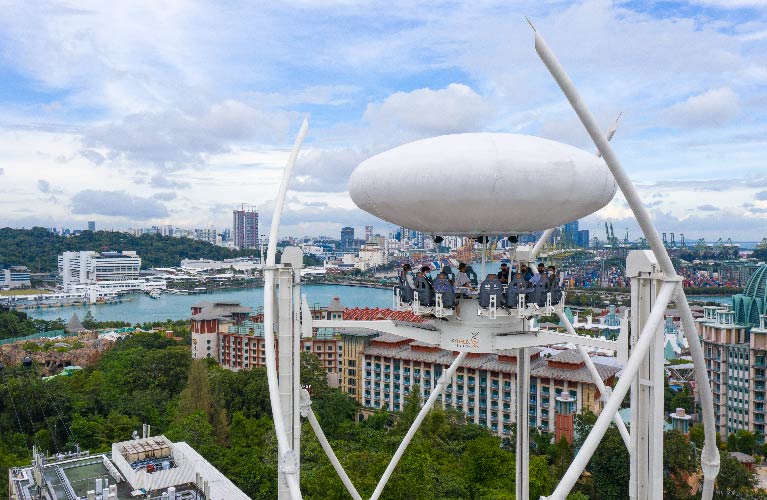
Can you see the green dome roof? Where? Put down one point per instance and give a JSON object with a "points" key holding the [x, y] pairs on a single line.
{"points": [[753, 301]]}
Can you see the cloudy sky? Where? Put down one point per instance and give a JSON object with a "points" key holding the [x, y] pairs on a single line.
{"points": [[144, 112]]}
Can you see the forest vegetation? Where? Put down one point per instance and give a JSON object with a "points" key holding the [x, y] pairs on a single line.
{"points": [[225, 415]]}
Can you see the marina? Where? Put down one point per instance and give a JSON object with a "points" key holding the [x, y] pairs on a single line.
{"points": [[138, 308], [141, 308]]}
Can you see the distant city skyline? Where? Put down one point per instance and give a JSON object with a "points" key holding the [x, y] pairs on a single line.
{"points": [[202, 110]]}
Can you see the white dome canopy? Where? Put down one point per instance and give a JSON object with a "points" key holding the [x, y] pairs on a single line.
{"points": [[482, 183]]}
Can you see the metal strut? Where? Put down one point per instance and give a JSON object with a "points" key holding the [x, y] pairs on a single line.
{"points": [[289, 486], [603, 389], [438, 388], [710, 454]]}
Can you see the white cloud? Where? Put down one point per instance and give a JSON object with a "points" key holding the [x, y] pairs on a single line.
{"points": [[426, 112], [710, 109], [173, 138], [708, 208], [196, 100], [165, 196], [117, 204], [327, 170]]}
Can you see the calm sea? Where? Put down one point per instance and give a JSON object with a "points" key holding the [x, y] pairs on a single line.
{"points": [[719, 299], [141, 308]]}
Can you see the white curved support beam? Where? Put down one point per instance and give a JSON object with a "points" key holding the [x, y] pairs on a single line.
{"points": [[539, 245], [438, 388], [611, 131], [647, 337], [710, 455], [288, 460], [331, 455], [603, 390]]}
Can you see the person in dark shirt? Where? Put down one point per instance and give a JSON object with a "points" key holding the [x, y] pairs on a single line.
{"points": [[503, 273], [527, 273], [425, 271]]}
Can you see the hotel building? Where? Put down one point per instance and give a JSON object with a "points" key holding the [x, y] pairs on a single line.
{"points": [[483, 387]]}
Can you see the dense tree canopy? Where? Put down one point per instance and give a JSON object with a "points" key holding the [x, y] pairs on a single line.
{"points": [[148, 378], [17, 324], [38, 248]]}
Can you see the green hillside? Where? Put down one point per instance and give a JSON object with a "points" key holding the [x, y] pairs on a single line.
{"points": [[38, 248]]}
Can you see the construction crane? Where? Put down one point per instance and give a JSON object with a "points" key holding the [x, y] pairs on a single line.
{"points": [[610, 234]]}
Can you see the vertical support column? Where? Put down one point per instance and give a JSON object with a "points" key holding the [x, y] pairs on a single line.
{"points": [[295, 257], [285, 357], [523, 424], [289, 346], [646, 464]]}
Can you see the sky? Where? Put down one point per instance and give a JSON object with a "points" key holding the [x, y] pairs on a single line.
{"points": [[140, 113]]}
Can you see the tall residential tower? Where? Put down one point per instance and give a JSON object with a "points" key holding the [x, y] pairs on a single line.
{"points": [[245, 227]]}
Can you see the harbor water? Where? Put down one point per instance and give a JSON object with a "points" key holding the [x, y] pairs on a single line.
{"points": [[140, 308]]}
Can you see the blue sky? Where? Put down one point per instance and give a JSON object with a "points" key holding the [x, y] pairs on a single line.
{"points": [[173, 112]]}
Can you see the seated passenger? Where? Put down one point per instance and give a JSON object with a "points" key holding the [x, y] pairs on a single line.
{"points": [[527, 273], [443, 286], [503, 273], [425, 290], [426, 270], [553, 286], [461, 281], [406, 284], [489, 288], [538, 294], [473, 279], [541, 274], [517, 286], [448, 273]]}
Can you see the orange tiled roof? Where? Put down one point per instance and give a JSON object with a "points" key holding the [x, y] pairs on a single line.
{"points": [[375, 313]]}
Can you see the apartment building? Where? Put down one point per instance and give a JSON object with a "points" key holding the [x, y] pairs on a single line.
{"points": [[735, 348]]}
